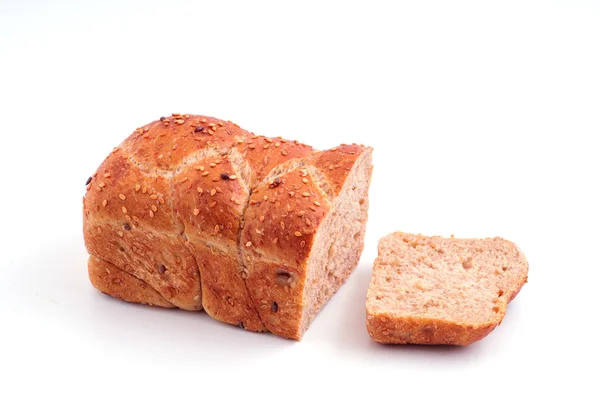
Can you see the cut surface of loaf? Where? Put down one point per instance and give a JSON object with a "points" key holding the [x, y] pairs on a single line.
{"points": [[434, 290], [196, 213]]}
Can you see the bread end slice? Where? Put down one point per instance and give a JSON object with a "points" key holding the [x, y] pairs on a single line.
{"points": [[434, 290]]}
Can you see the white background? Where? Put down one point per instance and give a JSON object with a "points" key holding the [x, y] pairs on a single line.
{"points": [[484, 117]]}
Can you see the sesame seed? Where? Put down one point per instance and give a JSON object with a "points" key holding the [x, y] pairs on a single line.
{"points": [[252, 146], [120, 233], [213, 204], [151, 214], [262, 218], [153, 197], [144, 190], [217, 228], [154, 208], [305, 194], [196, 212], [275, 240], [265, 197], [215, 179], [146, 129], [233, 177], [196, 298], [124, 209], [276, 182], [304, 180], [268, 140], [102, 185], [88, 187], [317, 203], [282, 224], [97, 188], [179, 121], [106, 175], [308, 222], [313, 208], [213, 192], [199, 190], [203, 120], [88, 181], [221, 124], [292, 193], [304, 172], [205, 173], [219, 190], [302, 244], [298, 233], [211, 124], [161, 200], [201, 168], [99, 230], [122, 197], [137, 187], [175, 114], [284, 152], [213, 164], [237, 202], [104, 203], [277, 144], [266, 146], [248, 244], [184, 180]]}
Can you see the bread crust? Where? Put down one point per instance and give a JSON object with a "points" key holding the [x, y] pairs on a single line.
{"points": [[178, 207]]}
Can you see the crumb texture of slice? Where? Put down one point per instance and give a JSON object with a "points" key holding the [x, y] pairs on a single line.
{"points": [[435, 290]]}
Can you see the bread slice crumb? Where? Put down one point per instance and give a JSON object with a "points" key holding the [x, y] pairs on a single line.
{"points": [[435, 290]]}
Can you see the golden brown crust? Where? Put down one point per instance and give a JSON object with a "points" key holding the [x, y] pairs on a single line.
{"points": [[111, 280], [391, 329], [168, 206]]}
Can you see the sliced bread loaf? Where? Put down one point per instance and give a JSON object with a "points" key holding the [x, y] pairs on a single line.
{"points": [[434, 290]]}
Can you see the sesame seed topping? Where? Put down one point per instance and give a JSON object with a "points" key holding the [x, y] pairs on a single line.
{"points": [[316, 203], [221, 124], [302, 244], [217, 228], [275, 240], [205, 173], [292, 193], [102, 185], [305, 194], [298, 233], [248, 244], [124, 209], [196, 298], [233, 177], [304, 172], [120, 233], [153, 197], [175, 114], [213, 204], [268, 140], [122, 197], [196, 212], [211, 124], [313, 208], [203, 120], [144, 190], [237, 202], [304, 180], [179, 121], [213, 192], [276, 182], [284, 152], [200, 190], [251, 146], [99, 230], [201, 168], [277, 144], [184, 180], [154, 208], [282, 224], [308, 222], [266, 146], [265, 197], [151, 214], [261, 219], [104, 203], [137, 187], [219, 190], [106, 175], [161, 200]]}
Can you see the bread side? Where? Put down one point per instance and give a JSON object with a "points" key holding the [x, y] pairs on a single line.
{"points": [[304, 236], [433, 290], [169, 204]]}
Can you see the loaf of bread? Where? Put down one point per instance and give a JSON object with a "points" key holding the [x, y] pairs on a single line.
{"points": [[433, 290], [196, 213]]}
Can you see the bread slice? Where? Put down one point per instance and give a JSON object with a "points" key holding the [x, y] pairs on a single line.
{"points": [[434, 290]]}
